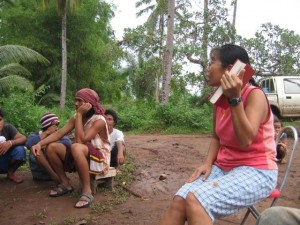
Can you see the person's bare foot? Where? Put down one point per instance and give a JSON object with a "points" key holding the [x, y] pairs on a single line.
{"points": [[15, 178]]}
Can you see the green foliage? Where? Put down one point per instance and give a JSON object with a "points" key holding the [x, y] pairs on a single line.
{"points": [[21, 111], [177, 116], [120, 195], [40, 215], [12, 73], [93, 56], [69, 220], [126, 176], [274, 51], [139, 116], [14, 82], [183, 118]]}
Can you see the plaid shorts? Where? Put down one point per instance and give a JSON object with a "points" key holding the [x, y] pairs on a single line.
{"points": [[225, 193]]}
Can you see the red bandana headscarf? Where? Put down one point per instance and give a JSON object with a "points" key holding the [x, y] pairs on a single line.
{"points": [[91, 97]]}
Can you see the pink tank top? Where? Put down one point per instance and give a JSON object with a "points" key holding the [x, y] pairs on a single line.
{"points": [[260, 154]]}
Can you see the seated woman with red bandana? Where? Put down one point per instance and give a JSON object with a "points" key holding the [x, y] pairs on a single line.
{"points": [[90, 153]]}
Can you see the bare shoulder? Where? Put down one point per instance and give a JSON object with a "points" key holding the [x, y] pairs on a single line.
{"points": [[257, 105], [258, 96]]}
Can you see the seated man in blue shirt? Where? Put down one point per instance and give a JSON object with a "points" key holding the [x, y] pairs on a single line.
{"points": [[39, 165]]}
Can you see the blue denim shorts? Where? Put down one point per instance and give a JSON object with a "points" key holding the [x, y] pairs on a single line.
{"points": [[16, 153], [225, 193]]}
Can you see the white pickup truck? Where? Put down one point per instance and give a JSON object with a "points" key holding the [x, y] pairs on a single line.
{"points": [[283, 93]]}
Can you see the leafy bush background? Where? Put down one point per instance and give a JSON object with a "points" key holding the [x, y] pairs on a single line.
{"points": [[142, 116]]}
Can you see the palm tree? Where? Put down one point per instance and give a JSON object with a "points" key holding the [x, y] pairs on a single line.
{"points": [[64, 67], [62, 7], [11, 71], [155, 19]]}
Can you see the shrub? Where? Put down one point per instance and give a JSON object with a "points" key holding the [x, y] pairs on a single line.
{"points": [[179, 117], [185, 116], [21, 112]]}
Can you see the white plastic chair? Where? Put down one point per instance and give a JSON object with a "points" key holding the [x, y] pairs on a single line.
{"points": [[277, 192]]}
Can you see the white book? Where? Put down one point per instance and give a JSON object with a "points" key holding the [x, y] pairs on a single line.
{"points": [[235, 70]]}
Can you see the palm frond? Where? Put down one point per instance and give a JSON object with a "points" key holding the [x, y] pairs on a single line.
{"points": [[16, 53], [49, 98], [15, 81], [145, 10], [142, 2], [14, 69]]}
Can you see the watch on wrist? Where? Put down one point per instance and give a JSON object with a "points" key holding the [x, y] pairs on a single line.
{"points": [[234, 101]]}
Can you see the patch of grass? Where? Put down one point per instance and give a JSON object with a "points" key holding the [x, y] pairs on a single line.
{"points": [[69, 220], [126, 176], [100, 207], [40, 215], [183, 130], [295, 124], [53, 223], [119, 195]]}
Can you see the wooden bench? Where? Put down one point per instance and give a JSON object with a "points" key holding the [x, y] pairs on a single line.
{"points": [[106, 180]]}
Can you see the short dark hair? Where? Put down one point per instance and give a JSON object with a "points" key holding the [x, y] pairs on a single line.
{"points": [[113, 114], [1, 113]]}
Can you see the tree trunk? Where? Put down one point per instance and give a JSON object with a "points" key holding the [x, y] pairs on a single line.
{"points": [[64, 55], [234, 12], [160, 53], [167, 62]]}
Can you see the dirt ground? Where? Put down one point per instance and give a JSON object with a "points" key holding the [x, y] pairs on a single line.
{"points": [[174, 155]]}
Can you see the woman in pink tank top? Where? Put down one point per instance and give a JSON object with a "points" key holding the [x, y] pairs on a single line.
{"points": [[240, 169]]}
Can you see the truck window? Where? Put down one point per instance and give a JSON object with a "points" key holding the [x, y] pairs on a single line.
{"points": [[268, 86], [291, 85], [271, 86]]}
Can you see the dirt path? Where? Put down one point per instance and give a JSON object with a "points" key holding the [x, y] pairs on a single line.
{"points": [[174, 155]]}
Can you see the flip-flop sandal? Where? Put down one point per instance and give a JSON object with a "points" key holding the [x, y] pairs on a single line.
{"points": [[60, 190], [85, 197]]}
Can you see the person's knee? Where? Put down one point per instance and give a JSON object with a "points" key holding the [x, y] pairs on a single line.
{"points": [[178, 204], [50, 151], [191, 201], [55, 147], [78, 150], [19, 153]]}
